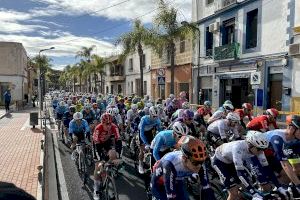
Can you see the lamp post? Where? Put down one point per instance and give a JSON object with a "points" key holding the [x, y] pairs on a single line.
{"points": [[185, 23], [40, 73]]}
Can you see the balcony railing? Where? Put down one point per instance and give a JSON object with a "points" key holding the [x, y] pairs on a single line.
{"points": [[116, 78], [227, 52], [223, 4]]}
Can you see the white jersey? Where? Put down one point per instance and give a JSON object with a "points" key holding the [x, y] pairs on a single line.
{"points": [[220, 127], [131, 115], [237, 152]]}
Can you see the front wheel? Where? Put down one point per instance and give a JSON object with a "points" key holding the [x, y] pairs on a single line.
{"points": [[110, 189]]}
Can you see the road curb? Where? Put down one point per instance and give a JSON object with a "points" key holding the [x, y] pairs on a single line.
{"points": [[41, 172]]}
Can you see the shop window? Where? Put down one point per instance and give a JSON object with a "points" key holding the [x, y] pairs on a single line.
{"points": [[209, 42], [182, 44], [251, 29], [228, 31]]}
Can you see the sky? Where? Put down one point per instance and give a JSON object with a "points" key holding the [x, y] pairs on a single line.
{"points": [[69, 25]]}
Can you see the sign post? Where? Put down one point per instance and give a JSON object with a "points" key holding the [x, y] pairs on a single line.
{"points": [[255, 81]]}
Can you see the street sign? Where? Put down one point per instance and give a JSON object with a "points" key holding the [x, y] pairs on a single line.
{"points": [[161, 80], [255, 78]]}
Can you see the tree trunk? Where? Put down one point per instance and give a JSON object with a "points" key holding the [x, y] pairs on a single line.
{"points": [[172, 52], [80, 84], [102, 84], [74, 84], [141, 53], [95, 88]]}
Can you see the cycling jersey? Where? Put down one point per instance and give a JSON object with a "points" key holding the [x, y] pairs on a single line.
{"points": [[131, 115], [147, 124], [176, 114], [97, 113], [60, 110], [260, 122], [203, 111], [242, 114], [277, 142], [220, 128], [67, 118], [79, 129], [54, 103], [101, 135], [88, 116], [163, 141], [117, 119], [217, 115]]}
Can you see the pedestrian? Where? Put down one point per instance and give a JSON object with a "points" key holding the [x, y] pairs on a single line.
{"points": [[7, 99]]}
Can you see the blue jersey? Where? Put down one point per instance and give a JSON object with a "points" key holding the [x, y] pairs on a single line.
{"points": [[147, 124], [277, 142], [60, 110], [74, 128], [162, 141], [67, 118], [89, 117]]}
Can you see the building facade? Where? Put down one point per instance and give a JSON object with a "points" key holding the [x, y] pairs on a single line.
{"points": [[13, 71], [132, 73], [244, 52], [161, 71]]}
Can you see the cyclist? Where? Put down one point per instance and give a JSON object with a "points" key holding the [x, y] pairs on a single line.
{"points": [[217, 132], [60, 110], [105, 136], [54, 103], [243, 112], [169, 172], [202, 112], [149, 124], [79, 106], [278, 139], [89, 115], [131, 114], [261, 123], [221, 113], [96, 111], [78, 129], [68, 116], [229, 159], [166, 140]]}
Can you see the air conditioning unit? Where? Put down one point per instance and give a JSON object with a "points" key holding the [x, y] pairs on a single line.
{"points": [[216, 26], [211, 28], [294, 49]]}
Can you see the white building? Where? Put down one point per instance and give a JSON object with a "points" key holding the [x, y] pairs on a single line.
{"points": [[132, 73], [13, 70], [239, 37]]}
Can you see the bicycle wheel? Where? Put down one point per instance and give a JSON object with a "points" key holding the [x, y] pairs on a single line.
{"points": [[83, 169], [89, 156], [110, 189]]}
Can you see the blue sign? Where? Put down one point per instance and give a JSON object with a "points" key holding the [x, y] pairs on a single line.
{"points": [[259, 97], [161, 80]]}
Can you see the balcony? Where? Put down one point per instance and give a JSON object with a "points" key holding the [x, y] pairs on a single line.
{"points": [[114, 78], [224, 4], [227, 52]]}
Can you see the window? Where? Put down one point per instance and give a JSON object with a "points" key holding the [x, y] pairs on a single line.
{"points": [[131, 87], [251, 29], [182, 44], [107, 90], [130, 69], [209, 42], [119, 89], [228, 31], [168, 56], [111, 89], [143, 63], [145, 87], [209, 2]]}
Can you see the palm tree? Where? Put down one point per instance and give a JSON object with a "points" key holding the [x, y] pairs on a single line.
{"points": [[133, 41], [166, 31], [98, 66], [86, 53]]}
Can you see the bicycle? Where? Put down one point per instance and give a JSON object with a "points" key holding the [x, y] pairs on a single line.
{"points": [[108, 190]]}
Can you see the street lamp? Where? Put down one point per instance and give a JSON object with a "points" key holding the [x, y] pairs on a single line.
{"points": [[40, 73], [185, 23]]}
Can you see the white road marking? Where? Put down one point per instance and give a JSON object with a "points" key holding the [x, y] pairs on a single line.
{"points": [[26, 124]]}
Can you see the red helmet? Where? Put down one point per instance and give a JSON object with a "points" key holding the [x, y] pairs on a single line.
{"points": [[273, 112], [106, 118], [247, 106]]}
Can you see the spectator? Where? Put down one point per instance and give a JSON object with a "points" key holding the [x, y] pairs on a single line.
{"points": [[7, 99], [9, 191]]}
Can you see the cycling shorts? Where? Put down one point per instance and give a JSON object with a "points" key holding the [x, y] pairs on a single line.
{"points": [[274, 164], [59, 116], [149, 136], [80, 136]]}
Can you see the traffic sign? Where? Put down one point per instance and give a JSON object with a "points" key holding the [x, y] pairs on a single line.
{"points": [[161, 80], [255, 78], [254, 87]]}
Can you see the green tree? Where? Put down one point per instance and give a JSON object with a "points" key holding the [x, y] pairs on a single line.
{"points": [[98, 66], [133, 41]]}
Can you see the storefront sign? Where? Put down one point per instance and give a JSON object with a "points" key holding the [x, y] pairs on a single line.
{"points": [[234, 75], [297, 29], [276, 70]]}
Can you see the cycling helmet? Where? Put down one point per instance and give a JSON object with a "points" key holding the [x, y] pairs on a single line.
{"points": [[185, 105], [233, 117], [180, 128], [134, 106], [228, 107], [140, 105], [182, 94], [257, 139], [293, 120], [149, 105], [159, 101], [153, 111], [160, 106], [116, 111], [207, 104], [62, 103], [110, 111], [69, 102], [95, 105], [106, 118], [187, 114], [135, 100], [77, 115], [227, 102], [273, 112], [87, 106], [141, 113], [72, 109], [247, 106], [193, 148], [171, 96]]}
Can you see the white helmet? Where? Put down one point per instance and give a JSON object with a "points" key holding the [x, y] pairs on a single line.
{"points": [[185, 105], [116, 111], [228, 107], [257, 139], [62, 103], [153, 111], [232, 116], [180, 128], [110, 111], [160, 106], [149, 105], [77, 115], [134, 107], [171, 96], [69, 102]]}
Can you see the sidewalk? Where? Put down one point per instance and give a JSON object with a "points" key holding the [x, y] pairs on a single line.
{"points": [[20, 151]]}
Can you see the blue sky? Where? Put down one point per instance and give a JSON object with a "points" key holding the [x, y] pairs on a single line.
{"points": [[68, 25]]}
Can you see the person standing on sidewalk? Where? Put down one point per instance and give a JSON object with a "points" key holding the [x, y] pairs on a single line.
{"points": [[7, 99]]}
